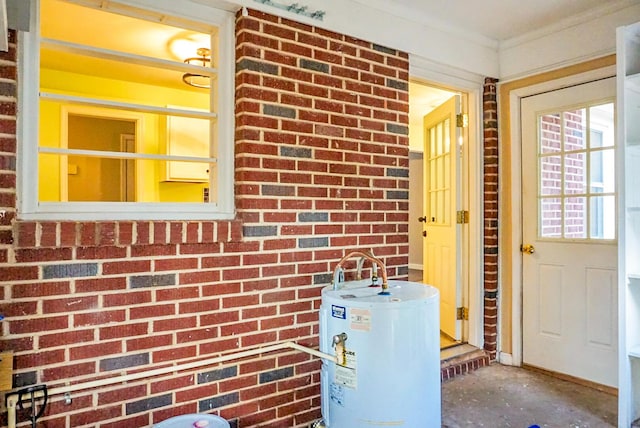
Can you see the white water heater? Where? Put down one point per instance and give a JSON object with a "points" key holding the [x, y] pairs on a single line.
{"points": [[388, 347]]}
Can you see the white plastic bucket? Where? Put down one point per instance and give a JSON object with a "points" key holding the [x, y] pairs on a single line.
{"points": [[195, 420]]}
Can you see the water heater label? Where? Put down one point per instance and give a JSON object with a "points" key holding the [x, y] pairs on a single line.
{"points": [[360, 319], [339, 312], [337, 394], [346, 375]]}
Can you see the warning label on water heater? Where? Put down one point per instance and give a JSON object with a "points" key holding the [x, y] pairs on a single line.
{"points": [[346, 374], [360, 319]]}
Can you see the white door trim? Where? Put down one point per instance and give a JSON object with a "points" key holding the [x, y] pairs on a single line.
{"points": [[473, 281], [515, 217]]}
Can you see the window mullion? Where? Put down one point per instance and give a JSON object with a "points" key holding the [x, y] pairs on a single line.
{"points": [[124, 155], [142, 108], [131, 58]]}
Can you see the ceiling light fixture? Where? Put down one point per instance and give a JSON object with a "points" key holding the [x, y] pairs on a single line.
{"points": [[203, 60]]}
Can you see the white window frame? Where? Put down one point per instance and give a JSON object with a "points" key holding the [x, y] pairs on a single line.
{"points": [[29, 208]]}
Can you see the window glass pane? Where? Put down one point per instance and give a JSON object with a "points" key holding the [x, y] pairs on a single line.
{"points": [[602, 122], [139, 106], [109, 179], [550, 133], [432, 206], [575, 125], [575, 173], [575, 218], [550, 175], [447, 171], [446, 137], [447, 203], [433, 182], [90, 27], [602, 217], [432, 142], [551, 217], [439, 139]]}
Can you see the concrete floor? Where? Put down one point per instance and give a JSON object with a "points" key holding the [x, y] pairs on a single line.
{"points": [[503, 396]]}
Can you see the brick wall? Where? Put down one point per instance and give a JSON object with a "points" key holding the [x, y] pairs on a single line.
{"points": [[491, 187], [321, 167]]}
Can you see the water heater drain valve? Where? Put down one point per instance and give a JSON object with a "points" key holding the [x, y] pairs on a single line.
{"points": [[341, 350]]}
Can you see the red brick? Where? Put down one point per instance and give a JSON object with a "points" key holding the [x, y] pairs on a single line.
{"points": [[68, 305], [206, 305], [64, 372], [40, 289], [154, 311], [126, 330], [38, 325], [175, 353], [119, 267], [95, 285], [174, 324], [216, 318], [38, 359], [99, 318], [149, 342], [66, 338], [95, 350]]}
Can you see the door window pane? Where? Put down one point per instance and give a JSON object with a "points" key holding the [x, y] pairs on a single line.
{"points": [[576, 183], [575, 218], [550, 133], [575, 125], [550, 217], [551, 175], [575, 173]]}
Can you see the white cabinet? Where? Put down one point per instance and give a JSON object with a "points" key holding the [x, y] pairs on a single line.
{"points": [[628, 103], [188, 137]]}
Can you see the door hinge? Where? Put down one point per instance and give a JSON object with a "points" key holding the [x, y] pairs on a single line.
{"points": [[462, 120], [462, 313], [462, 217]]}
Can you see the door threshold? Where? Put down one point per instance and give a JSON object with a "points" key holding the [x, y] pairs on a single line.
{"points": [[457, 350], [460, 360]]}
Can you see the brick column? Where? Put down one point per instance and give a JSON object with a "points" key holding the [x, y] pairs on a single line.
{"points": [[491, 175]]}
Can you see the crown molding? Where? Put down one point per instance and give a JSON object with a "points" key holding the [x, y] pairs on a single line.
{"points": [[606, 8]]}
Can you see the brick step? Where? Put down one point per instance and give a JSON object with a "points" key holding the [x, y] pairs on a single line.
{"points": [[460, 360]]}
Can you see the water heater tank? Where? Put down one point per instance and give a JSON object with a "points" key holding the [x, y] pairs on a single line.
{"points": [[388, 348]]}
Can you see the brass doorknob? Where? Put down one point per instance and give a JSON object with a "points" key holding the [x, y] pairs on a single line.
{"points": [[422, 219], [528, 248]]}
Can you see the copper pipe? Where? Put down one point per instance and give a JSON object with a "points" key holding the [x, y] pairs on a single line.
{"points": [[367, 255]]}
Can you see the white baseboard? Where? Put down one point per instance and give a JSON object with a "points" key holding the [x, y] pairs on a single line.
{"points": [[506, 359], [415, 266]]}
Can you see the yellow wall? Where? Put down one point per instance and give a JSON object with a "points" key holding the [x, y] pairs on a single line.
{"points": [[151, 186], [506, 207]]}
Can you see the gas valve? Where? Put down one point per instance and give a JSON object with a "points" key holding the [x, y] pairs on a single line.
{"points": [[341, 351]]}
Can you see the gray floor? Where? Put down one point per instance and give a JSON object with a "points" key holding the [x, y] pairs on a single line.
{"points": [[502, 396]]}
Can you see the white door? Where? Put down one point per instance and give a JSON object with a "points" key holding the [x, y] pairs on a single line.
{"points": [[442, 199], [569, 232]]}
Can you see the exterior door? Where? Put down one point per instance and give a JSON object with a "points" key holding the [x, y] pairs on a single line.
{"points": [[442, 199], [569, 232]]}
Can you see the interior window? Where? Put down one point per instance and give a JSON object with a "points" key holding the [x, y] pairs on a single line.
{"points": [[128, 109]]}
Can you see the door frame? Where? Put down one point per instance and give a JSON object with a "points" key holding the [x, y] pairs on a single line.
{"points": [[470, 85], [67, 110], [515, 216]]}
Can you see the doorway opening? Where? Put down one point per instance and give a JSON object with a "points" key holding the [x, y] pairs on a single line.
{"points": [[93, 178], [438, 169]]}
